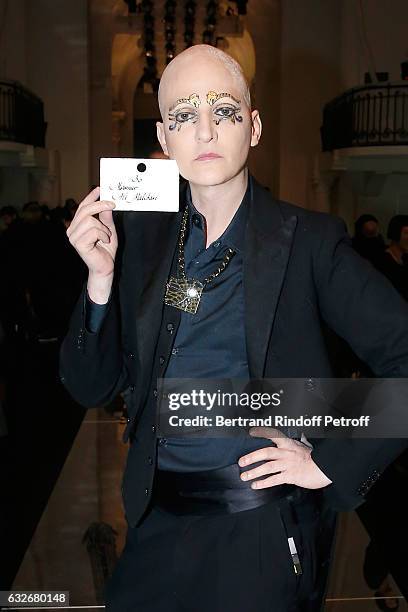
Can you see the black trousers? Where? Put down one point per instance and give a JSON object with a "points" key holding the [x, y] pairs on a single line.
{"points": [[384, 517], [236, 562]]}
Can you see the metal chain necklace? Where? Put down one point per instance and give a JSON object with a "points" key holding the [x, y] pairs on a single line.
{"points": [[185, 293]]}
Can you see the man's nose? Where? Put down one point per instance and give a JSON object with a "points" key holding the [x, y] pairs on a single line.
{"points": [[205, 128]]}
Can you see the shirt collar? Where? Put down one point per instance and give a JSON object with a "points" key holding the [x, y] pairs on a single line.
{"points": [[234, 235]]}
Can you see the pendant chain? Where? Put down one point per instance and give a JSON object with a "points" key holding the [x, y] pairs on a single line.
{"points": [[181, 259]]}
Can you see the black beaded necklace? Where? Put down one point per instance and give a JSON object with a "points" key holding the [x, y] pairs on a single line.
{"points": [[185, 293]]}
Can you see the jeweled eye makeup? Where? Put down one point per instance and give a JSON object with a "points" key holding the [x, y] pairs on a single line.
{"points": [[193, 99], [213, 96], [227, 112], [221, 112], [182, 116]]}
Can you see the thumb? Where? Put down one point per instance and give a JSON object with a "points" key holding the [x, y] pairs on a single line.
{"points": [[106, 218]]}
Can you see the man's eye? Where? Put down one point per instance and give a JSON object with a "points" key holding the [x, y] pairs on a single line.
{"points": [[225, 111], [182, 117]]}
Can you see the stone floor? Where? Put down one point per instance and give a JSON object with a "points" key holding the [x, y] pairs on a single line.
{"points": [[88, 491]]}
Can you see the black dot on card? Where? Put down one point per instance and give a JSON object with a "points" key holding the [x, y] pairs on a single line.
{"points": [[141, 167]]}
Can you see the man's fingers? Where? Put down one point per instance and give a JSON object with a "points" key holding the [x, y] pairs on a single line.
{"points": [[93, 236], [88, 211], [278, 437], [85, 226], [91, 197], [106, 218], [269, 467], [90, 237], [270, 481], [263, 454], [267, 432]]}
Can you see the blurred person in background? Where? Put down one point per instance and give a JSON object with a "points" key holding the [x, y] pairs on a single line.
{"points": [[393, 262], [71, 206], [9, 217], [367, 240]]}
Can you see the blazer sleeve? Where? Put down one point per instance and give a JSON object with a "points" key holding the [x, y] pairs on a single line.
{"points": [[362, 307], [92, 366]]}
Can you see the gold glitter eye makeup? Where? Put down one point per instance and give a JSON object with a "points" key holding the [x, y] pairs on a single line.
{"points": [[227, 112], [193, 99], [180, 117], [213, 96]]}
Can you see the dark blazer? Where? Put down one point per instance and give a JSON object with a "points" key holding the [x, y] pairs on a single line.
{"points": [[299, 271]]}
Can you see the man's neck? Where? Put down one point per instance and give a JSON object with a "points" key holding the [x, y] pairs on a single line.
{"points": [[219, 203]]}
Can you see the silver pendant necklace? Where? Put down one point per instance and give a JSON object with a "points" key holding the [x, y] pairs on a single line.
{"points": [[185, 293]]}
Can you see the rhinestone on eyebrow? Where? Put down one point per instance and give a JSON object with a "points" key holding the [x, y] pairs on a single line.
{"points": [[193, 99], [213, 96]]}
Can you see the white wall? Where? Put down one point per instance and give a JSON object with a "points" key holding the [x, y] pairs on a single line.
{"points": [[386, 35], [306, 53], [44, 45], [14, 186], [101, 94], [310, 77], [57, 71], [386, 32], [263, 23], [13, 50], [323, 53]]}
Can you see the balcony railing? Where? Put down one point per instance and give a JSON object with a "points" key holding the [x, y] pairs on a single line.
{"points": [[372, 115], [21, 115]]}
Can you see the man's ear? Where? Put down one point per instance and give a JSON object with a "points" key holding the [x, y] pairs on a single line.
{"points": [[256, 129], [161, 137]]}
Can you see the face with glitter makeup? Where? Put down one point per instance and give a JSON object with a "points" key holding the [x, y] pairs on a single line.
{"points": [[226, 112], [207, 126]]}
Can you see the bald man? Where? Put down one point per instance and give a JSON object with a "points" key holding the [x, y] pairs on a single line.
{"points": [[235, 285]]}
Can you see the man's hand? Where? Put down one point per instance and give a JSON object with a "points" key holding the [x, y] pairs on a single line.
{"points": [[96, 242], [290, 462]]}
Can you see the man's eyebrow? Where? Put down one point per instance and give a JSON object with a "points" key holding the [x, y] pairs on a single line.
{"points": [[193, 99]]}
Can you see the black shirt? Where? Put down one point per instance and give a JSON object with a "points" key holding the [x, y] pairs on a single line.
{"points": [[209, 344]]}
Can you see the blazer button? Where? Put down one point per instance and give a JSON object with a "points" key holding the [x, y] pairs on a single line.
{"points": [[132, 388], [131, 356], [150, 461], [161, 360], [155, 392], [170, 327]]}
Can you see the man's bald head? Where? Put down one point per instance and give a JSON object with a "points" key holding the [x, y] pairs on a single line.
{"points": [[199, 54], [205, 105]]}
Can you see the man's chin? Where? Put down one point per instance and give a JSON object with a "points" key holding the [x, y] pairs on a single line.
{"points": [[209, 177]]}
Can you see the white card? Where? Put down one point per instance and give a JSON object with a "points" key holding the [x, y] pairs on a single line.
{"points": [[140, 184]]}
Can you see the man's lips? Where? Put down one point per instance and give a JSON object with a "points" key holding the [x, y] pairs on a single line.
{"points": [[205, 156]]}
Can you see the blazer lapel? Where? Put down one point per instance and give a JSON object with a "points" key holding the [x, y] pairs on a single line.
{"points": [[268, 242]]}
